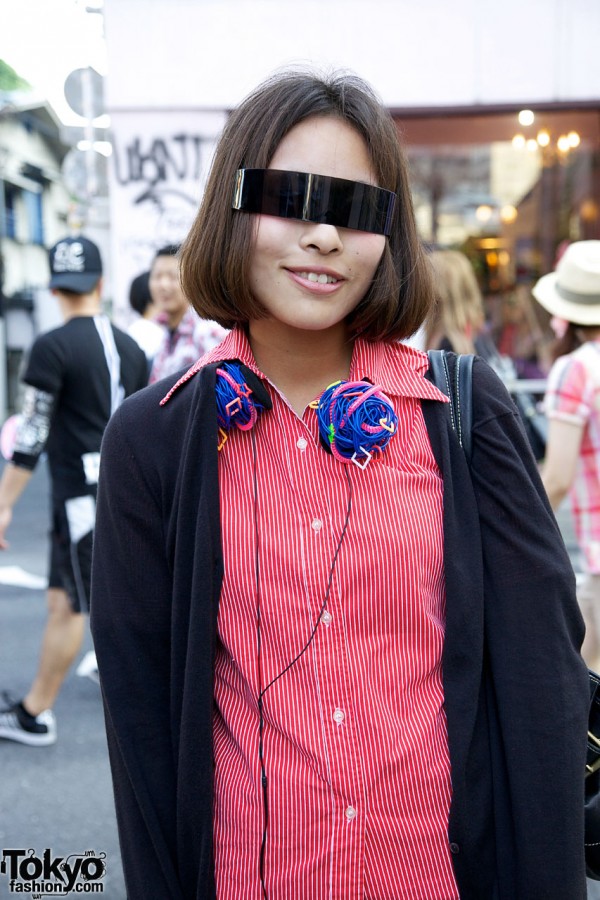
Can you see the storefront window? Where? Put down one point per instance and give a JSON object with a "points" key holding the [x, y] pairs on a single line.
{"points": [[509, 191]]}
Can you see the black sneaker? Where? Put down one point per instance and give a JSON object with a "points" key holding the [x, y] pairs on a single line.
{"points": [[16, 724]]}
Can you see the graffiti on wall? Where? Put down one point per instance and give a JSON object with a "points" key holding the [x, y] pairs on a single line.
{"points": [[164, 173], [159, 167]]}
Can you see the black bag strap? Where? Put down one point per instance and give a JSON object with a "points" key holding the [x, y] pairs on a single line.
{"points": [[458, 387]]}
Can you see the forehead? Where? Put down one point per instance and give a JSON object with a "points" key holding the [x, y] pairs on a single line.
{"points": [[165, 264], [325, 145]]}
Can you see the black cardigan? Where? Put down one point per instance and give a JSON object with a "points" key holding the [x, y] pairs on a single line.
{"points": [[515, 686]]}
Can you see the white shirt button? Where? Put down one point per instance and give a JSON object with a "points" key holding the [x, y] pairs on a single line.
{"points": [[316, 524], [350, 813], [326, 618], [302, 444], [338, 716]]}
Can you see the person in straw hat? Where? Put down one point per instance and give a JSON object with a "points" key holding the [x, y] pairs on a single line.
{"points": [[572, 404]]}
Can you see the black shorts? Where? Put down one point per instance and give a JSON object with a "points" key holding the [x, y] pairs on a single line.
{"points": [[71, 538]]}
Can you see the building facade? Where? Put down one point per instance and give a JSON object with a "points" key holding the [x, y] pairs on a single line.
{"points": [[33, 212], [498, 106]]}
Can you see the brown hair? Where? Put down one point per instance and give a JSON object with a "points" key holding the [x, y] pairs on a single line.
{"points": [[459, 315], [574, 336], [216, 255]]}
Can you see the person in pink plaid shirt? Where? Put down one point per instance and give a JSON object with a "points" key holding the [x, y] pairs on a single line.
{"points": [[186, 337], [572, 404]]}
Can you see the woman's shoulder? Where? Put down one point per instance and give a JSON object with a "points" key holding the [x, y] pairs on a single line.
{"points": [[576, 364], [490, 395], [146, 403], [487, 386], [587, 356], [155, 416]]}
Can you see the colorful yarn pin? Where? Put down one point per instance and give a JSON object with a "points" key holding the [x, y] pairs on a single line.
{"points": [[236, 405], [356, 421]]}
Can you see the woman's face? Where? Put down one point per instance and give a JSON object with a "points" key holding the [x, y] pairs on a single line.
{"points": [[306, 275], [165, 289]]}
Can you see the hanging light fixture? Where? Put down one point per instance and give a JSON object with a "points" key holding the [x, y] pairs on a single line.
{"points": [[552, 148]]}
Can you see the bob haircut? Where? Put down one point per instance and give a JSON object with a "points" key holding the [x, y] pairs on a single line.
{"points": [[216, 256]]}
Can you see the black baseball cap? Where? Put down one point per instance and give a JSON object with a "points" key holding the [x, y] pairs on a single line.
{"points": [[75, 265]]}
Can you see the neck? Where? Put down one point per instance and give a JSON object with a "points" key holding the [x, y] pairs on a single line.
{"points": [[73, 305], [303, 363], [150, 312], [174, 319]]}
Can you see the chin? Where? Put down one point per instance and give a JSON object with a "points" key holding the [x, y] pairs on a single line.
{"points": [[315, 326]]}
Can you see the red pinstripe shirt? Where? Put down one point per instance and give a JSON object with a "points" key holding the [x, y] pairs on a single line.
{"points": [[355, 738]]}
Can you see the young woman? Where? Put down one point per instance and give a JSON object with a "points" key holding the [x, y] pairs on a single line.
{"points": [[336, 662], [572, 403]]}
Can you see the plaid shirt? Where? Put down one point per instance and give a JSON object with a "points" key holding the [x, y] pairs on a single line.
{"points": [[183, 345], [573, 395]]}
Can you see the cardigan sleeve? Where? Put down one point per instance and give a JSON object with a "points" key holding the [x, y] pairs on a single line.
{"points": [[130, 623], [533, 633]]}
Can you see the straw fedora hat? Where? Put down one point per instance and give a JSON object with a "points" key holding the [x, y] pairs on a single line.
{"points": [[573, 291]]}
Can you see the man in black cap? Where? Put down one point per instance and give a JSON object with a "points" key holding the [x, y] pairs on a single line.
{"points": [[76, 377]]}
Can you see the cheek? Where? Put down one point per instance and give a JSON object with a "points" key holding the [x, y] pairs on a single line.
{"points": [[264, 252], [378, 245], [272, 235], [368, 253]]}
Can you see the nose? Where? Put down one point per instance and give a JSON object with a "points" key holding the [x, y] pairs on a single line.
{"points": [[164, 284], [323, 238]]}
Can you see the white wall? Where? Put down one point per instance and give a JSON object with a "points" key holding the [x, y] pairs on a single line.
{"points": [[176, 66], [209, 53], [25, 264], [158, 170], [20, 145]]}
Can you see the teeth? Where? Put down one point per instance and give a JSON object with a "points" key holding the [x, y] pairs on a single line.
{"points": [[319, 279]]}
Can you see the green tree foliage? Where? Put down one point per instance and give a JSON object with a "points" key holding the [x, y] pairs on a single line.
{"points": [[9, 80]]}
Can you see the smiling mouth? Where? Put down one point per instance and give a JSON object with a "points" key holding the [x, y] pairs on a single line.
{"points": [[318, 278]]}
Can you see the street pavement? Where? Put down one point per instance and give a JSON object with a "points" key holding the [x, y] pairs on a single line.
{"points": [[59, 798]]}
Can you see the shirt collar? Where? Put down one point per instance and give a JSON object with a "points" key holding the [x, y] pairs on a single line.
{"points": [[395, 367], [235, 346]]}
